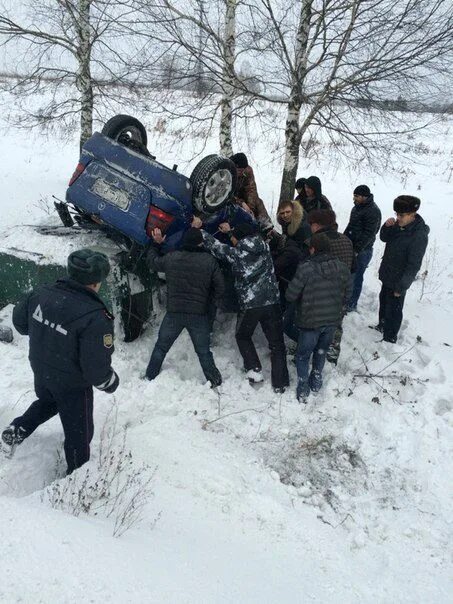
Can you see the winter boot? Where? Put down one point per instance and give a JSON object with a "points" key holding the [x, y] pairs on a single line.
{"points": [[254, 376], [279, 389], [302, 391], [13, 435], [315, 381]]}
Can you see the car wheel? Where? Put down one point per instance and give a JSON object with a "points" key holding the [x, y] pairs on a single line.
{"points": [[213, 183], [123, 128]]}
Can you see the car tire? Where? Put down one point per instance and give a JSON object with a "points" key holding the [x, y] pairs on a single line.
{"points": [[213, 183], [121, 125]]}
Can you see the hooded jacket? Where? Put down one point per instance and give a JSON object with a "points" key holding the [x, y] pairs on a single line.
{"points": [[364, 223], [297, 229], [403, 254], [71, 336], [253, 271], [320, 288], [319, 201]]}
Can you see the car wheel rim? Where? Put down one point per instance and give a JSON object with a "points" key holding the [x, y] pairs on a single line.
{"points": [[132, 132], [218, 188]]}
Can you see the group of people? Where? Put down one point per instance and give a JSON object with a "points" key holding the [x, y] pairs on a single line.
{"points": [[299, 281]]}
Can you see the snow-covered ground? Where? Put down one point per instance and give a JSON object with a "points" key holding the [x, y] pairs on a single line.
{"points": [[256, 499]]}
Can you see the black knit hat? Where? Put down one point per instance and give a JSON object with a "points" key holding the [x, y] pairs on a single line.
{"points": [[362, 190], [244, 229], [192, 238], [404, 204], [87, 266], [300, 183], [240, 160]]}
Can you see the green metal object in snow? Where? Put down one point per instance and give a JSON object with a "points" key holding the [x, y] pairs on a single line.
{"points": [[129, 295]]}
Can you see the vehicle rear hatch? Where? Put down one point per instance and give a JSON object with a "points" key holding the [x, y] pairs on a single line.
{"points": [[119, 186]]}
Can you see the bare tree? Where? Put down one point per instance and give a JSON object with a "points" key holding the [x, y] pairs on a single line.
{"points": [[322, 58], [203, 37], [79, 43]]}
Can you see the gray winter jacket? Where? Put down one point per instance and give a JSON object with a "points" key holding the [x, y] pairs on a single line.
{"points": [[320, 288], [252, 267]]}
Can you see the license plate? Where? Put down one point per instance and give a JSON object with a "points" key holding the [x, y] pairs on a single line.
{"points": [[112, 194]]}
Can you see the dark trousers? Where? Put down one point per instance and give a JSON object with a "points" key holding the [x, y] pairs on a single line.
{"points": [[75, 408], [270, 319], [312, 342], [289, 322], [390, 312], [362, 261], [199, 331]]}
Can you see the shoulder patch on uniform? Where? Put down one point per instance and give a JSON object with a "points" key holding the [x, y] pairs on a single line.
{"points": [[108, 340]]}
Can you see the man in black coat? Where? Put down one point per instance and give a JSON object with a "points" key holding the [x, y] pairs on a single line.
{"points": [[193, 276], [406, 239], [362, 229], [251, 263], [320, 288], [71, 344]]}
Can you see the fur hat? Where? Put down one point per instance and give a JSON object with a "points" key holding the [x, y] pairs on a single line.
{"points": [[240, 160], [362, 190], [244, 229], [404, 204], [87, 266], [192, 238]]}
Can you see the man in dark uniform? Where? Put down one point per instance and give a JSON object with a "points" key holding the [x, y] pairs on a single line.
{"points": [[71, 345]]}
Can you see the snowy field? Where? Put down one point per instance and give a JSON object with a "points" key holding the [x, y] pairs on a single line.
{"points": [[255, 498]]}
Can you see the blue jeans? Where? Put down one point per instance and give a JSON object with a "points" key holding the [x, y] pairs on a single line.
{"points": [[363, 260], [312, 342], [198, 327]]}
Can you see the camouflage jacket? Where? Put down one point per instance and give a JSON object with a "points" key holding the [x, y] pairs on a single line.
{"points": [[252, 267]]}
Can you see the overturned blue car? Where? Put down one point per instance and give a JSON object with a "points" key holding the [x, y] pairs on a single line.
{"points": [[119, 186]]}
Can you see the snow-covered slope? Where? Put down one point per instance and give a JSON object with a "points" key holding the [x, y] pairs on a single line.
{"points": [[256, 499]]}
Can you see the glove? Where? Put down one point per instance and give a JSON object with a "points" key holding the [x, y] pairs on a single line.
{"points": [[110, 385]]}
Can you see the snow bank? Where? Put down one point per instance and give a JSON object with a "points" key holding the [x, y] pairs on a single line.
{"points": [[345, 500]]}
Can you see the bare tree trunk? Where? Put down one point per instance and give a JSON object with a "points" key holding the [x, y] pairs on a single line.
{"points": [[292, 129], [292, 146], [226, 118], [84, 81]]}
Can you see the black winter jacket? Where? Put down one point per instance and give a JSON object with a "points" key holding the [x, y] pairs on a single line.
{"points": [[193, 279], [320, 288], [253, 271], [285, 264], [71, 336], [403, 254], [364, 223]]}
